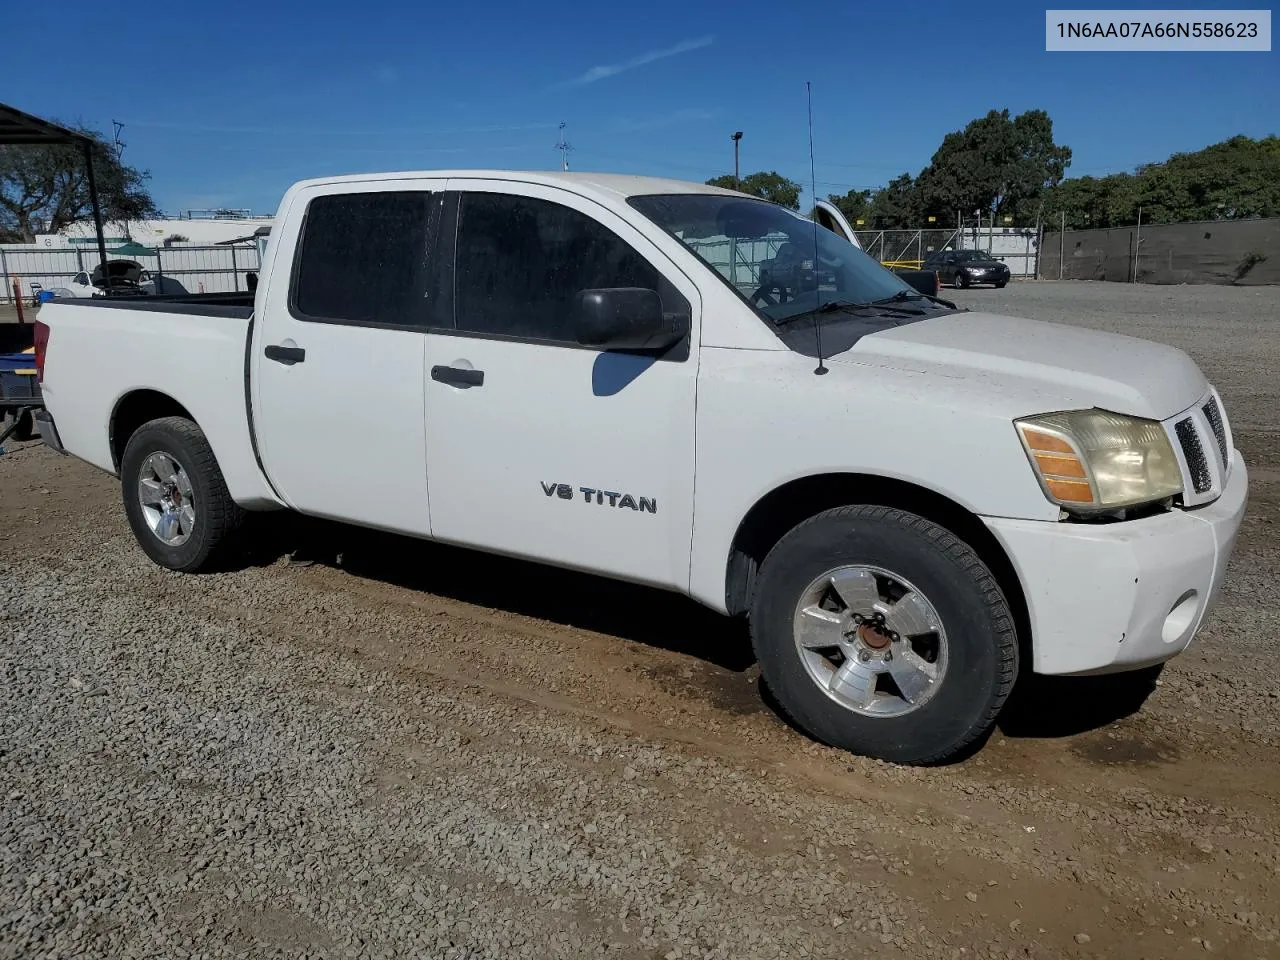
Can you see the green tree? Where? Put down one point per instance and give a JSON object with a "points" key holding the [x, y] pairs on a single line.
{"points": [[768, 185], [897, 204], [1236, 179], [997, 164], [855, 205], [45, 189]]}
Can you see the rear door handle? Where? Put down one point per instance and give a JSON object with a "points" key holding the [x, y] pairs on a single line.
{"points": [[286, 355], [458, 376]]}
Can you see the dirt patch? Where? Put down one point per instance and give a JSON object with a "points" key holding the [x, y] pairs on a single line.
{"points": [[1121, 746]]}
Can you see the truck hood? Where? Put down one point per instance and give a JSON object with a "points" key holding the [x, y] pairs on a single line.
{"points": [[1039, 367]]}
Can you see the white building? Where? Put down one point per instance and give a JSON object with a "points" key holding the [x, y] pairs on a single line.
{"points": [[200, 231]]}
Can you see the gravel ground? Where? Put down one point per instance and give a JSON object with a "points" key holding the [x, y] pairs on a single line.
{"points": [[392, 749]]}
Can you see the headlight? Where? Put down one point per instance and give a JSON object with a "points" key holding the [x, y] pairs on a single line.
{"points": [[1092, 460]]}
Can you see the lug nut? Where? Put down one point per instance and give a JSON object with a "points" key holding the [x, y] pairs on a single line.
{"points": [[888, 655], [864, 655]]}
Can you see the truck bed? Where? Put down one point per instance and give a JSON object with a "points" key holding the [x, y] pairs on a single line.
{"points": [[239, 305], [104, 352]]}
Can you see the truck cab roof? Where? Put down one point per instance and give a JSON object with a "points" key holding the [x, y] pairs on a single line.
{"points": [[610, 186]]}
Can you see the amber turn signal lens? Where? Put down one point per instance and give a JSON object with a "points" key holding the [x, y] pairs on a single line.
{"points": [[1037, 440], [1070, 491], [1052, 466]]}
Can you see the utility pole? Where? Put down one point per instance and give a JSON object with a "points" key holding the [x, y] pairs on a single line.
{"points": [[564, 148], [736, 138]]}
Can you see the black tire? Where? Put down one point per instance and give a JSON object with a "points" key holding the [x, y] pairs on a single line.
{"points": [[26, 429], [961, 281], [1001, 284], [982, 647], [217, 516]]}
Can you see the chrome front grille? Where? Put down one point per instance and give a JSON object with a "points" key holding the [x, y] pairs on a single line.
{"points": [[1213, 413], [1201, 438], [1193, 454]]}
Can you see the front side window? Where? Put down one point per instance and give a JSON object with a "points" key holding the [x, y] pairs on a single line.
{"points": [[362, 259], [82, 279], [521, 262]]}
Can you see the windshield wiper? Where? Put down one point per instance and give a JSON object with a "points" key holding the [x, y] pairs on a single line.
{"points": [[904, 295], [832, 306]]}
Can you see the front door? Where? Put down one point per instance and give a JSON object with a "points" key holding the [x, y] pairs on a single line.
{"points": [[540, 448], [338, 361]]}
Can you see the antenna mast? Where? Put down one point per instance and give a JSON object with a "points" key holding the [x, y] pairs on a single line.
{"points": [[813, 185], [564, 147]]}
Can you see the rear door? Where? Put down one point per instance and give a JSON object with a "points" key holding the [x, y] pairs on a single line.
{"points": [[538, 447], [338, 361], [828, 215]]}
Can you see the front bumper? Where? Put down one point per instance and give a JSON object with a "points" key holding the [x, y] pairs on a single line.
{"points": [[1103, 598]]}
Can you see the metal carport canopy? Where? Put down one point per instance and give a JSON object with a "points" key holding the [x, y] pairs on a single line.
{"points": [[22, 129]]}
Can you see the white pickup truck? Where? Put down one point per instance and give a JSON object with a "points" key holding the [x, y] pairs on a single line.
{"points": [[680, 386]]}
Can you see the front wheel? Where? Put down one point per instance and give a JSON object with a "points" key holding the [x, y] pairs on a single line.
{"points": [[1000, 284], [174, 495], [880, 632], [961, 281]]}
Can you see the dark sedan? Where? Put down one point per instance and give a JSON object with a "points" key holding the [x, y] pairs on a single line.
{"points": [[964, 268]]}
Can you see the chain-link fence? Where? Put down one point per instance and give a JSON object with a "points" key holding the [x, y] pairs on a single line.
{"points": [[178, 268], [1017, 246], [905, 248], [1214, 251]]}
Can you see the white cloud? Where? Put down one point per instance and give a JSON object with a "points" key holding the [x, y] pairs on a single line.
{"points": [[613, 69]]}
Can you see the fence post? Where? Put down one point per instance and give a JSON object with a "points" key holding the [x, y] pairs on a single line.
{"points": [[159, 274], [4, 265], [79, 260], [1062, 243], [1137, 246], [235, 271]]}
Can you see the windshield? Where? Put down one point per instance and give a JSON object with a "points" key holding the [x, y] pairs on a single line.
{"points": [[972, 255], [766, 253]]}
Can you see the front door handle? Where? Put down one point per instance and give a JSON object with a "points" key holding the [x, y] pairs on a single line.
{"points": [[458, 376], [286, 355]]}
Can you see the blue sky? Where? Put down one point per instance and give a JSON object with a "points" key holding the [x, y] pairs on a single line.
{"points": [[228, 104]]}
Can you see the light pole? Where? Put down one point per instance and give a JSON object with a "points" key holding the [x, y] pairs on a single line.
{"points": [[736, 138]]}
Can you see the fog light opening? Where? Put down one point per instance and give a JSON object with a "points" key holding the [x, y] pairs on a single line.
{"points": [[1181, 618]]}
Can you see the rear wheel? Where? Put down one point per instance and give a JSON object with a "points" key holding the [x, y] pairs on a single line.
{"points": [[880, 632], [175, 496]]}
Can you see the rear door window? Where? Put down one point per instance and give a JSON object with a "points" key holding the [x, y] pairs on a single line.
{"points": [[363, 259]]}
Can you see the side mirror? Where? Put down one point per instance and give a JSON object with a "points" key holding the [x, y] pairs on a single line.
{"points": [[626, 318]]}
